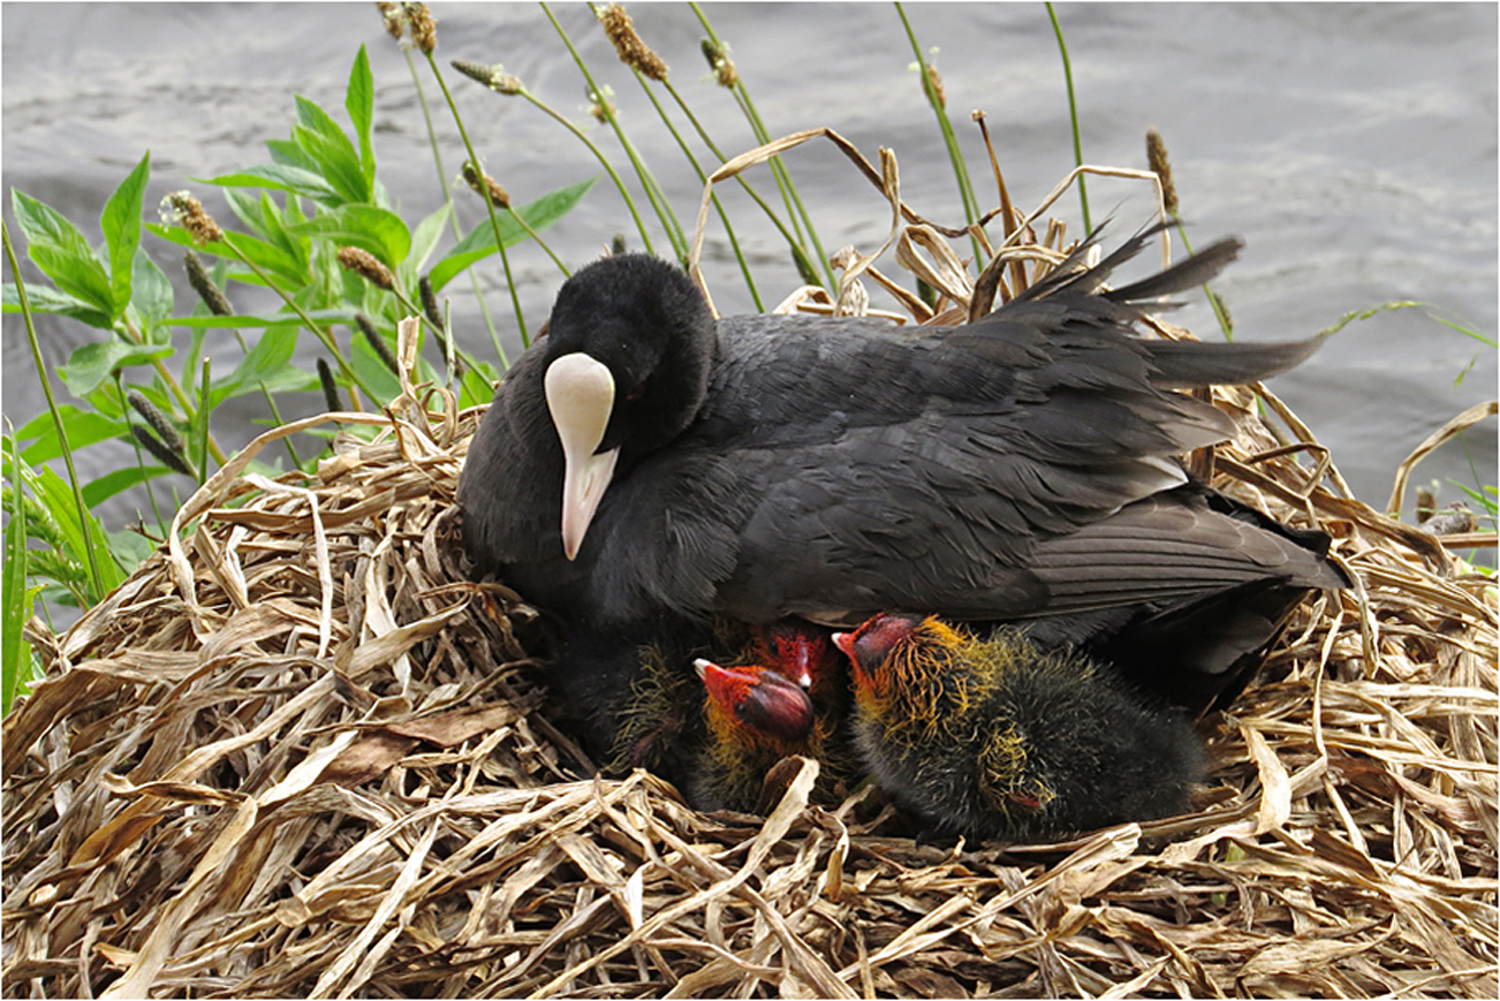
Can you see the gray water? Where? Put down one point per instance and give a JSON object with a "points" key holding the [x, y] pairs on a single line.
{"points": [[1353, 147]]}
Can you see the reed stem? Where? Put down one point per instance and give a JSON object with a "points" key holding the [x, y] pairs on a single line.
{"points": [[515, 296], [1062, 47], [95, 577], [458, 233], [955, 155], [794, 206], [648, 180]]}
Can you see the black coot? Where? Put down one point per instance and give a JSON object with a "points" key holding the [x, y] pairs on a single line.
{"points": [[645, 465]]}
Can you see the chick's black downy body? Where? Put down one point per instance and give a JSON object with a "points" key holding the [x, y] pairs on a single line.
{"points": [[996, 739], [645, 465]]}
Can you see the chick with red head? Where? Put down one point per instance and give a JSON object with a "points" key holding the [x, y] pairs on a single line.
{"points": [[717, 736], [754, 717], [994, 738]]}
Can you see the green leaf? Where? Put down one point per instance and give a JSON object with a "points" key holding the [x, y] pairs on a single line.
{"points": [[480, 242], [59, 249], [261, 253], [83, 428], [321, 138], [476, 387], [382, 233], [45, 299], [130, 549], [93, 363], [243, 320], [251, 210], [295, 248], [121, 223], [360, 103], [287, 153], [153, 291], [381, 380], [15, 652], [57, 497], [281, 178], [270, 356], [99, 490], [339, 165], [425, 238]]}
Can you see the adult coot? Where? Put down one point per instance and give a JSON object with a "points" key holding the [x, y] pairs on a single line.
{"points": [[645, 465]]}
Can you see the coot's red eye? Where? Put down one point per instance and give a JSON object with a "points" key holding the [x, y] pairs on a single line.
{"points": [[636, 391]]}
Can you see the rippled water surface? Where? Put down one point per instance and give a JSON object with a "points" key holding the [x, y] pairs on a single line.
{"points": [[1352, 146]]}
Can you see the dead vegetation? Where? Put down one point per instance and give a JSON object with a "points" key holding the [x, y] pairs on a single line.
{"points": [[297, 754]]}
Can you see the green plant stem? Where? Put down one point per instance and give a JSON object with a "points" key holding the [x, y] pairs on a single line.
{"points": [[515, 296], [458, 233], [203, 409], [955, 155], [170, 381], [734, 243], [806, 263], [1062, 47], [270, 402], [1213, 300], [598, 155], [140, 462], [778, 169], [319, 332], [648, 180], [414, 310], [95, 577]]}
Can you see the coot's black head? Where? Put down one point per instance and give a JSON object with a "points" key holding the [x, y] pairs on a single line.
{"points": [[630, 345]]}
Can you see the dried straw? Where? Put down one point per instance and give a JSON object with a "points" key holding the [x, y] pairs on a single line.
{"points": [[298, 754]]}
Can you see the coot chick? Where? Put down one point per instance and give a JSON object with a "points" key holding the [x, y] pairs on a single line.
{"points": [[996, 739], [645, 465], [716, 733], [755, 717]]}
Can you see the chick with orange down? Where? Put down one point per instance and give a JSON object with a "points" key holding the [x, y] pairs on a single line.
{"points": [[754, 717], [995, 738], [716, 736]]}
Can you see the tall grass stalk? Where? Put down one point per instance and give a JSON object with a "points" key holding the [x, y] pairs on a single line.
{"points": [[653, 190], [132, 335], [1062, 47], [1161, 165], [95, 577], [795, 208], [203, 409], [505, 84], [318, 332], [734, 243], [15, 651], [453, 224], [955, 155], [804, 263], [125, 408], [515, 296], [687, 153]]}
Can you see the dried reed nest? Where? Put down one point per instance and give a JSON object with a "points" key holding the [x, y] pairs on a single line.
{"points": [[297, 754]]}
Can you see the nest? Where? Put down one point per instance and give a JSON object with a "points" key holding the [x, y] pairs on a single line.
{"points": [[298, 754]]}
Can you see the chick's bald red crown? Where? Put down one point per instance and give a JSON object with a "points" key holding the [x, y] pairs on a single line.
{"points": [[758, 697], [869, 645]]}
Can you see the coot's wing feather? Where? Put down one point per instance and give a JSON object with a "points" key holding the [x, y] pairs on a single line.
{"points": [[1171, 548], [846, 466]]}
